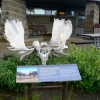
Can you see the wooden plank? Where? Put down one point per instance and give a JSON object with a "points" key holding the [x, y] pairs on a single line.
{"points": [[82, 42]]}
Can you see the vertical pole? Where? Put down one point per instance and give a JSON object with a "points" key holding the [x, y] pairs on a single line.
{"points": [[97, 42], [52, 56], [29, 95], [64, 91], [35, 56]]}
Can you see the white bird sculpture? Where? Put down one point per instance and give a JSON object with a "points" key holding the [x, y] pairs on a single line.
{"points": [[14, 34], [61, 32]]}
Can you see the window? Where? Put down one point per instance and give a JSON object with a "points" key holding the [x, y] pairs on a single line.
{"points": [[48, 12], [72, 12], [54, 12], [0, 10], [27, 11], [81, 17], [39, 11]]}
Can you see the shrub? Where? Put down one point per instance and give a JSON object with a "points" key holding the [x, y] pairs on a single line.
{"points": [[8, 72], [87, 60]]}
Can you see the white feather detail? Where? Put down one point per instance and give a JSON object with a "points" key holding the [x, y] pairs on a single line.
{"points": [[61, 32], [36, 44], [14, 34], [60, 48]]}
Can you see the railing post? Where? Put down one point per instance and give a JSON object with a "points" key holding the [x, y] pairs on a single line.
{"points": [[29, 95], [64, 91]]}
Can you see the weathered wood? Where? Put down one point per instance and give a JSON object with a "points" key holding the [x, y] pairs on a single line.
{"points": [[64, 91], [82, 42], [57, 87], [39, 88]]}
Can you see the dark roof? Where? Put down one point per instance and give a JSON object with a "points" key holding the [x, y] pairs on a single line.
{"points": [[58, 3], [55, 3]]}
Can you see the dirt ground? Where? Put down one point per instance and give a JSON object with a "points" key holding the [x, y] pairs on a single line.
{"points": [[74, 94]]}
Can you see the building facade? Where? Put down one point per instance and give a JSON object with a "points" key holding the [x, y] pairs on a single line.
{"points": [[84, 15]]}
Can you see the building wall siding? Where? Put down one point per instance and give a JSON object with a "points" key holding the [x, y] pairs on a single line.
{"points": [[91, 16], [14, 9], [45, 20]]}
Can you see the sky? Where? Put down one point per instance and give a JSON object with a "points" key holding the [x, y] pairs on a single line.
{"points": [[26, 69]]}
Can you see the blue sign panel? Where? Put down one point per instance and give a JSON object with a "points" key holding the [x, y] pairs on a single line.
{"points": [[47, 73]]}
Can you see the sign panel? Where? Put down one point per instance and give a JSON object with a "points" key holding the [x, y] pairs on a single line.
{"points": [[47, 73]]}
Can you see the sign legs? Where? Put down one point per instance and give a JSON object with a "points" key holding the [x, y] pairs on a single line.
{"points": [[63, 87]]}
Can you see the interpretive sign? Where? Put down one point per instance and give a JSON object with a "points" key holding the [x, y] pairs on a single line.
{"points": [[47, 73]]}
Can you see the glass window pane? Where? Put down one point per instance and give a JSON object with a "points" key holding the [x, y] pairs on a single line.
{"points": [[27, 11], [39, 11], [0, 10], [54, 12], [48, 12], [83, 17]]}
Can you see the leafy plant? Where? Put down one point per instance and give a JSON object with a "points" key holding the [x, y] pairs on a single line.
{"points": [[87, 60], [8, 75]]}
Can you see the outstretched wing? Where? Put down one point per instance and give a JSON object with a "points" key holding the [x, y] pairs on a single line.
{"points": [[61, 32], [14, 33], [67, 31]]}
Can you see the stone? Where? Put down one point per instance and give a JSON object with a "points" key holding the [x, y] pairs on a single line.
{"points": [[6, 55]]}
